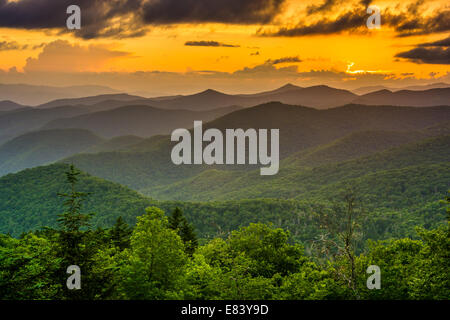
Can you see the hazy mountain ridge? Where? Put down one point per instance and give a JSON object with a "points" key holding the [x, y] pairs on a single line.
{"points": [[43, 147], [426, 98], [35, 95], [19, 122], [143, 121], [8, 105], [319, 97], [369, 89], [148, 164]]}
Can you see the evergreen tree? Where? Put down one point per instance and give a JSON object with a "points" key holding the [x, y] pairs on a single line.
{"points": [[72, 241], [178, 222], [121, 233]]}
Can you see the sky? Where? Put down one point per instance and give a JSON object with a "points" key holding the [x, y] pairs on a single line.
{"points": [[162, 47]]}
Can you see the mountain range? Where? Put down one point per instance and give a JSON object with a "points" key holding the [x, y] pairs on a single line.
{"points": [[397, 157], [319, 97], [137, 120], [369, 89], [147, 164], [33, 95]]}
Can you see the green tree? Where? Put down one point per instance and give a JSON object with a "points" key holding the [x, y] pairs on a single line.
{"points": [[342, 226], [154, 266], [121, 233], [28, 268], [73, 243], [178, 222]]}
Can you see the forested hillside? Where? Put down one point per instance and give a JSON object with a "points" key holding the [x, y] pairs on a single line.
{"points": [[29, 199], [44, 147], [148, 164]]}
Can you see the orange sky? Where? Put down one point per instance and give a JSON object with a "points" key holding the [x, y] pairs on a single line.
{"points": [[163, 49]]}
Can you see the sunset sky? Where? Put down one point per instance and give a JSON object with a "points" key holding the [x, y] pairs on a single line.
{"points": [[158, 47]]}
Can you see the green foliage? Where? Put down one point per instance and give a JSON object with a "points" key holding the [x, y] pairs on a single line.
{"points": [[154, 265], [254, 262], [121, 234], [29, 199], [178, 222], [410, 269], [28, 268]]}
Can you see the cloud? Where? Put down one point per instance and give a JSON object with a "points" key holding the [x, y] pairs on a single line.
{"points": [[349, 21], [269, 69], [437, 52], [427, 55], [61, 56], [284, 60], [199, 11], [131, 18], [326, 6], [411, 23], [406, 21], [119, 18], [209, 44], [440, 43], [11, 45], [248, 79]]}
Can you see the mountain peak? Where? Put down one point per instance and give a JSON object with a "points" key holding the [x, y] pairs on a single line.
{"points": [[289, 86], [210, 91]]}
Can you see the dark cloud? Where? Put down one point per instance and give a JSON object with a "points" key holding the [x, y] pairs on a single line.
{"points": [[284, 60], [198, 11], [209, 44], [406, 22], [437, 52], [11, 45], [130, 18], [440, 43], [326, 6], [411, 23], [425, 55], [96, 16], [365, 3], [350, 20]]}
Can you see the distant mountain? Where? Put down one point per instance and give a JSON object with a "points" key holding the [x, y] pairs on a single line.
{"points": [[29, 199], [285, 88], [93, 100], [352, 146], [143, 121], [19, 122], [115, 144], [427, 86], [10, 106], [35, 95], [369, 89], [43, 147], [416, 169], [318, 97], [148, 165], [426, 98]]}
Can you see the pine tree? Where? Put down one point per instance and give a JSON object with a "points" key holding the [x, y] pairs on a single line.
{"points": [[178, 222], [71, 241], [121, 233], [72, 221]]}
